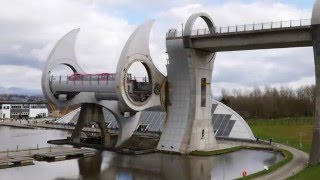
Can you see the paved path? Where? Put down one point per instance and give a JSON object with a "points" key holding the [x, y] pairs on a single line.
{"points": [[297, 164]]}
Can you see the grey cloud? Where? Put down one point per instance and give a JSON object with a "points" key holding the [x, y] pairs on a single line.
{"points": [[264, 67], [103, 35], [10, 59]]}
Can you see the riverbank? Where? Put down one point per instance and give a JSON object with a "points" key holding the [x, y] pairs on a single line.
{"points": [[294, 160], [298, 163], [295, 132], [233, 149]]}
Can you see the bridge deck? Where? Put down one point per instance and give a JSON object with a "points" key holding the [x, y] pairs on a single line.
{"points": [[236, 38]]}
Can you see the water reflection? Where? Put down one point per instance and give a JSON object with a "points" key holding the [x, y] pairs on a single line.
{"points": [[89, 168], [165, 166], [109, 165]]}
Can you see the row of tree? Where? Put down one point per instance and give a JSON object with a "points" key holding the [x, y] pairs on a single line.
{"points": [[272, 102]]}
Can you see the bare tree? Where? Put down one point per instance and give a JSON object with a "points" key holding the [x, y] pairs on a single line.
{"points": [[272, 102]]}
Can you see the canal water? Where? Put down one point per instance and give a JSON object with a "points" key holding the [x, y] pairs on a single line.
{"points": [[109, 165], [11, 137]]}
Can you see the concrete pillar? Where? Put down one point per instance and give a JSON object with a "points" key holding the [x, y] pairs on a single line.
{"points": [[315, 150], [101, 121], [189, 126], [76, 134], [91, 112], [315, 29]]}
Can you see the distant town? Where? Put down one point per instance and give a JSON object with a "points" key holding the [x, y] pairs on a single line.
{"points": [[22, 98]]}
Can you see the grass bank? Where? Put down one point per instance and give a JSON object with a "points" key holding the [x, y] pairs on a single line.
{"points": [[216, 152], [229, 150]]}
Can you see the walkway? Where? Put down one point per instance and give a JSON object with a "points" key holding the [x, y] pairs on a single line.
{"points": [[291, 24], [297, 164]]}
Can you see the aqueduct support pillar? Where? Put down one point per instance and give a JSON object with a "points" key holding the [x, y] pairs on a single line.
{"points": [[91, 112], [315, 28]]}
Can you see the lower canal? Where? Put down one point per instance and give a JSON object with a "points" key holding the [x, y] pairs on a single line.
{"points": [[109, 165]]}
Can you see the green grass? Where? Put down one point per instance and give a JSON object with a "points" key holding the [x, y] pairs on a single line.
{"points": [[217, 152], [285, 131], [308, 173], [228, 150]]}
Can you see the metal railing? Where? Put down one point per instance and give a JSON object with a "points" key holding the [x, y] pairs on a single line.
{"points": [[243, 28], [92, 78], [72, 79]]}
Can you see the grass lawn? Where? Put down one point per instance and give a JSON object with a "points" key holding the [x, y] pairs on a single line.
{"points": [[309, 173], [287, 131]]}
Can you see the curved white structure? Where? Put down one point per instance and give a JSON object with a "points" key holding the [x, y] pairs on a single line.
{"points": [[185, 94], [109, 93], [229, 124], [137, 50]]}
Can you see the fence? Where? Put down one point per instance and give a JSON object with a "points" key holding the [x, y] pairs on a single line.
{"points": [[243, 28]]}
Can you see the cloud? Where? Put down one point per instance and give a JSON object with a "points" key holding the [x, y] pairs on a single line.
{"points": [[246, 69], [264, 66], [12, 59], [29, 30], [19, 76]]}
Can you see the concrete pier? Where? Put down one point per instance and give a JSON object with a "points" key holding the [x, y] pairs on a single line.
{"points": [[13, 161], [26, 157]]}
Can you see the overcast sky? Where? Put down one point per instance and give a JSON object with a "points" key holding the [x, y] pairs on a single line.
{"points": [[30, 28]]}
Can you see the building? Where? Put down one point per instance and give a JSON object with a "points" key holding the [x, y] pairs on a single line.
{"points": [[17, 110]]}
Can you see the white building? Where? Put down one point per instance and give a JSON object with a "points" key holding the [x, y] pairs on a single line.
{"points": [[11, 109]]}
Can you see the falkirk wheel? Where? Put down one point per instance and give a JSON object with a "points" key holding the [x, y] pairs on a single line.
{"points": [[184, 93]]}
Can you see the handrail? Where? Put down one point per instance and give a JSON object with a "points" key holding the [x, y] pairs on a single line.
{"points": [[92, 78], [244, 28]]}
